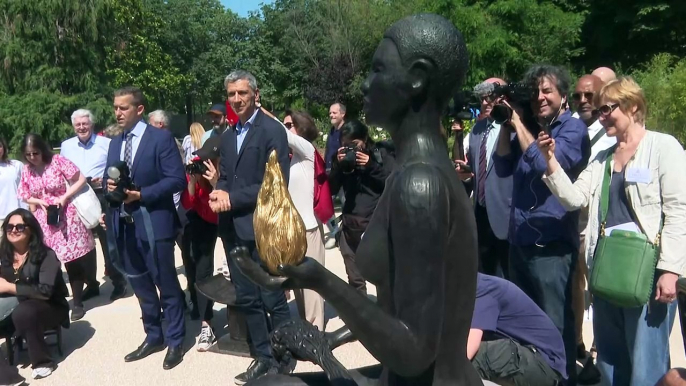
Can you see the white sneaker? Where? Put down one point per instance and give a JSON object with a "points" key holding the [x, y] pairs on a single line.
{"points": [[206, 339], [41, 372], [331, 242]]}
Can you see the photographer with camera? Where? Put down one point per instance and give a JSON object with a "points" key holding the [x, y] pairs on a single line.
{"points": [[543, 236], [492, 193], [201, 232], [361, 167]]}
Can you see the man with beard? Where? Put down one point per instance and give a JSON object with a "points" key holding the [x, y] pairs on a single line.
{"points": [[219, 121]]}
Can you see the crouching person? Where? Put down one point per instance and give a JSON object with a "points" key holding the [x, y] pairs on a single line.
{"points": [[31, 272], [511, 340]]}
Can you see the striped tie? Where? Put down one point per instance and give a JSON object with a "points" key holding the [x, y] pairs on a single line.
{"points": [[127, 149], [481, 177]]}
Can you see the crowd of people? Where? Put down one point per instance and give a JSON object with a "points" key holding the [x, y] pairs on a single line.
{"points": [[569, 167]]}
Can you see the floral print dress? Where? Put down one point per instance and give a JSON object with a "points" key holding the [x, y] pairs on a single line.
{"points": [[70, 239]]}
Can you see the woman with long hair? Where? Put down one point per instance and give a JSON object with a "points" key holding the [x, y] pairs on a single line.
{"points": [[31, 271], [49, 181], [10, 174], [192, 142], [633, 187]]}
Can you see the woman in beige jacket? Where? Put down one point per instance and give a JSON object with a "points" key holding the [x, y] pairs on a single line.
{"points": [[648, 184]]}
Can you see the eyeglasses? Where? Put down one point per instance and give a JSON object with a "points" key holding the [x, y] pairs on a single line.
{"points": [[608, 108], [588, 95], [288, 125], [19, 228], [32, 154]]}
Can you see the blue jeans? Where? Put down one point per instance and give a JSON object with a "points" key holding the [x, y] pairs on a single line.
{"points": [[545, 275], [632, 343]]}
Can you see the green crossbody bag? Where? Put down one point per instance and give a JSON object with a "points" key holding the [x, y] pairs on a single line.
{"points": [[624, 262]]}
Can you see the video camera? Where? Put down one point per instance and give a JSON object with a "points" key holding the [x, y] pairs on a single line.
{"points": [[515, 94], [119, 172], [196, 167], [463, 102]]}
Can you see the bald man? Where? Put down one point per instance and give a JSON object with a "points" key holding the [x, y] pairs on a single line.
{"points": [[605, 74], [492, 193]]}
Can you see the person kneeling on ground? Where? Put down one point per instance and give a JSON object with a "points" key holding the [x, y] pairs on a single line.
{"points": [[31, 272], [511, 340]]}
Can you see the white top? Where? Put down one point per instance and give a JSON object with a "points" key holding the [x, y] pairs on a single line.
{"points": [[90, 157], [301, 181], [188, 149], [658, 192], [603, 143], [10, 174]]}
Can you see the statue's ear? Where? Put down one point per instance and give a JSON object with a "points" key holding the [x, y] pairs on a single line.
{"points": [[419, 75]]}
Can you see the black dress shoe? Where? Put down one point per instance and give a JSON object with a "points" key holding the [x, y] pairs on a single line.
{"points": [[91, 291], [118, 292], [174, 357], [256, 369], [143, 351], [77, 313]]}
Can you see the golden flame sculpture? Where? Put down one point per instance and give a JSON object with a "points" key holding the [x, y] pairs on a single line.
{"points": [[279, 229]]}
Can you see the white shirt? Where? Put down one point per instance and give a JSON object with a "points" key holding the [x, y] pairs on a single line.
{"points": [[10, 174], [138, 132], [301, 180], [188, 149], [90, 157], [603, 143]]}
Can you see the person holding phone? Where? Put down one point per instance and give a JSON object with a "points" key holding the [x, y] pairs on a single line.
{"points": [[49, 181]]}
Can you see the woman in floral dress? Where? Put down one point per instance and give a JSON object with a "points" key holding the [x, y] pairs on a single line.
{"points": [[44, 183]]}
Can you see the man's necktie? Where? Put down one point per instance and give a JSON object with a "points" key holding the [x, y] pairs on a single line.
{"points": [[127, 149], [481, 178]]}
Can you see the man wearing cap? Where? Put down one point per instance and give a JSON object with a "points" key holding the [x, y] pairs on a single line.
{"points": [[219, 122]]}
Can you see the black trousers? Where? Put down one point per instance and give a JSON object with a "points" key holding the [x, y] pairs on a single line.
{"points": [[201, 238], [113, 273], [492, 250], [355, 278], [505, 360], [30, 320], [79, 272]]}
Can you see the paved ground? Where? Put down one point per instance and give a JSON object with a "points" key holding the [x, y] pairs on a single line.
{"points": [[95, 346]]}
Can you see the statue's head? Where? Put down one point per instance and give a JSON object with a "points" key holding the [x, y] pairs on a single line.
{"points": [[421, 61]]}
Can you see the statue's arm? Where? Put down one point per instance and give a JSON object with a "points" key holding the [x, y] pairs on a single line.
{"points": [[406, 342]]}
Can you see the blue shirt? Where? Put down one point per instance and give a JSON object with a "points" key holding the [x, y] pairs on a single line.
{"points": [[333, 143], [242, 130], [89, 157], [502, 310], [138, 132], [537, 217]]}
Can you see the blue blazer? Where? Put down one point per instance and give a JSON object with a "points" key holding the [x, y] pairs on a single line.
{"points": [[241, 174], [159, 173]]}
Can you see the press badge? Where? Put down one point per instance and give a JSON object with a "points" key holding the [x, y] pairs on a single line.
{"points": [[638, 175]]}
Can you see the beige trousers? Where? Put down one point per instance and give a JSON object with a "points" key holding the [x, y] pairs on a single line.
{"points": [[311, 304]]}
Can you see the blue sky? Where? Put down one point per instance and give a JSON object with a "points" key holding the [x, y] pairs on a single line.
{"points": [[242, 7]]}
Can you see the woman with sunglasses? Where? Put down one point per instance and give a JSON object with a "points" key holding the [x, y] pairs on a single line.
{"points": [[49, 181], [645, 188], [31, 271], [10, 174]]}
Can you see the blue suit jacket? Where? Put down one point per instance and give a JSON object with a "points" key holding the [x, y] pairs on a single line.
{"points": [[159, 173], [241, 174], [498, 189]]}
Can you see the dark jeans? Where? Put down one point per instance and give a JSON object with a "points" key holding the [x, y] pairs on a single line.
{"points": [[79, 272], [113, 273], [507, 361], [202, 238], [355, 278], [31, 319], [256, 302], [492, 250], [545, 274]]}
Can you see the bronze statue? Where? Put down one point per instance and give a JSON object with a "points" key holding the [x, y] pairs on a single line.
{"points": [[420, 246]]}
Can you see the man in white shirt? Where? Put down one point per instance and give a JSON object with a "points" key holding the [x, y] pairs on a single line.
{"points": [[88, 151]]}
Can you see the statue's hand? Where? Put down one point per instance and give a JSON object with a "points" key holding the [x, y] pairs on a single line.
{"points": [[308, 274], [298, 339]]}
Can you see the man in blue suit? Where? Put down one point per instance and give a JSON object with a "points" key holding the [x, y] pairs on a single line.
{"points": [[492, 193], [146, 225], [245, 150]]}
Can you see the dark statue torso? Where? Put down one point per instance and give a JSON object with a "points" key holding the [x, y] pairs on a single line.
{"points": [[376, 260]]}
